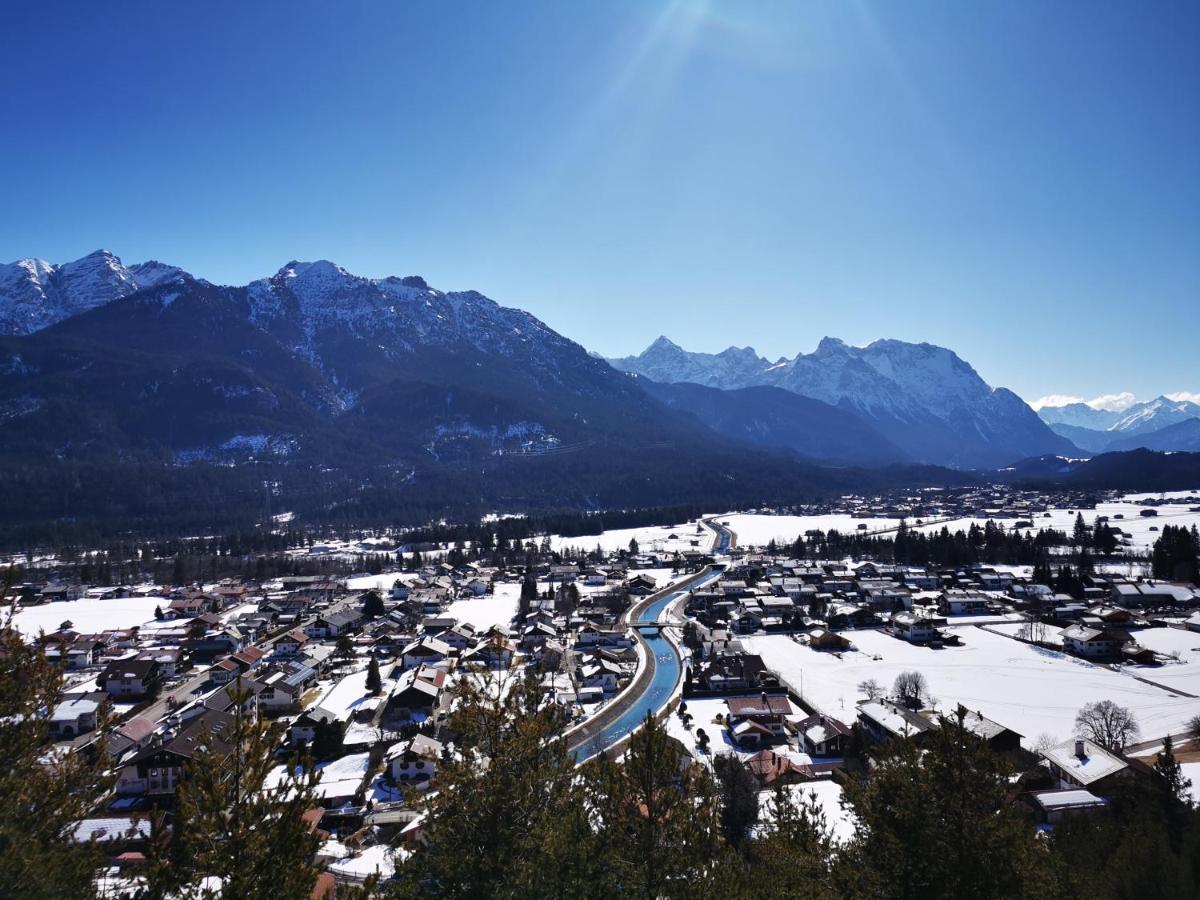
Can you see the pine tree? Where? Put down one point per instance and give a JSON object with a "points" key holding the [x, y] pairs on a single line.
{"points": [[793, 853], [373, 605], [737, 791], [237, 837], [1174, 791], [659, 820], [508, 818], [374, 681], [41, 799], [936, 823], [529, 595]]}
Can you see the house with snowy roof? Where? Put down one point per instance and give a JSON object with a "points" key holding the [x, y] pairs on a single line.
{"points": [[1081, 763], [822, 735], [130, 679], [414, 761]]}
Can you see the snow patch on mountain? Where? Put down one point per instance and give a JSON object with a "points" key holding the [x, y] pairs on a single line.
{"points": [[35, 294]]}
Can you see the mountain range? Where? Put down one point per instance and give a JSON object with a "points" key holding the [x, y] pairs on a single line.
{"points": [[350, 398], [144, 397], [924, 399], [1158, 424]]}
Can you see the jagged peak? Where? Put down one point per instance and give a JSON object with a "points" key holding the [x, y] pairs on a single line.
{"points": [[829, 344], [661, 343]]}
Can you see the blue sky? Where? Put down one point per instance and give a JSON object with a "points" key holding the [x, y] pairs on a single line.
{"points": [[1019, 181]]}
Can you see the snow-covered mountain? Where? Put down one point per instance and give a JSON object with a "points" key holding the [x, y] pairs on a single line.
{"points": [[925, 398], [35, 294], [1158, 424], [1080, 415], [1154, 415], [312, 362]]}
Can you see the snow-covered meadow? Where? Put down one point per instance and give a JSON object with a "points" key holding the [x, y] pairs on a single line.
{"points": [[651, 538], [1028, 689], [87, 615], [758, 529]]}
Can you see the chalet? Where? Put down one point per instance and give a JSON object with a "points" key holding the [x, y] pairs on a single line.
{"points": [[400, 590], [1080, 763], [496, 653], [291, 643], [417, 691], [591, 637], [427, 651], [130, 736], [535, 635], [433, 625], [236, 664], [244, 693], [917, 628], [824, 639], [334, 624], [460, 637], [130, 679], [171, 660], [76, 714], [1103, 642], [822, 735], [963, 603], [770, 768], [602, 673], [565, 574], [217, 643], [414, 761], [641, 585], [736, 672], [283, 684], [768, 711], [999, 738], [749, 733], [885, 720], [158, 769], [303, 729], [186, 607]]}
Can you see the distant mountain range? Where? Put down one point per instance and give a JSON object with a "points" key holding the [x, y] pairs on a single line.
{"points": [[1158, 424], [350, 398], [924, 399], [141, 396]]}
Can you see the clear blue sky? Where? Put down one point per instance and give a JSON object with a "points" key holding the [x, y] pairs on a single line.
{"points": [[1019, 181]]}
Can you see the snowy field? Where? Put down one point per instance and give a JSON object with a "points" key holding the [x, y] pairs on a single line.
{"points": [[1028, 689], [756, 530], [653, 538], [1168, 495], [381, 583], [87, 616], [1049, 634], [497, 608], [1182, 674]]}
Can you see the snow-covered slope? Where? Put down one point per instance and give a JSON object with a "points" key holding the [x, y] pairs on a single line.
{"points": [[925, 398], [1154, 415], [1080, 415], [35, 294]]}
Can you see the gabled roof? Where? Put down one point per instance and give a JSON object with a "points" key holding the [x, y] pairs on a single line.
{"points": [[1095, 764], [768, 705]]}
